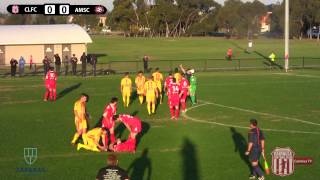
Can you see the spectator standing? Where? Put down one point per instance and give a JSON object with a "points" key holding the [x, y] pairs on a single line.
{"points": [[74, 61], [22, 63], [57, 63], [13, 64], [30, 62], [112, 171], [83, 60], [145, 60], [93, 62], [46, 65], [66, 65]]}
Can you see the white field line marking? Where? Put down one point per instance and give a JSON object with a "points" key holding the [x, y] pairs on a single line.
{"points": [[298, 75], [262, 113], [237, 126], [90, 153]]}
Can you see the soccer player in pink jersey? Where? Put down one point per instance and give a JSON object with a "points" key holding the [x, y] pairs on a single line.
{"points": [[127, 146], [107, 119], [51, 85], [132, 123], [167, 85], [184, 87], [174, 94]]}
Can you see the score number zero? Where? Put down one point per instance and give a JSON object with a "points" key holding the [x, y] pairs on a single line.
{"points": [[50, 9]]}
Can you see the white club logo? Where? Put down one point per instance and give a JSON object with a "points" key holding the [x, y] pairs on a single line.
{"points": [[30, 155]]}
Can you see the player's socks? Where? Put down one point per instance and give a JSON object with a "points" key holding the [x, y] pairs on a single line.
{"points": [[141, 99], [95, 149], [128, 101], [183, 106], [193, 99], [177, 113], [149, 108], [84, 138], [51, 95], [172, 112], [112, 138], [54, 95], [75, 137], [153, 107], [258, 170]]}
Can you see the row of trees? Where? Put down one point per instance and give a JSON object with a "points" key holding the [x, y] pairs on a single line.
{"points": [[187, 17], [175, 18]]}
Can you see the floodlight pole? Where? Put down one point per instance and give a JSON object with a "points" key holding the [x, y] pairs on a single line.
{"points": [[286, 36]]}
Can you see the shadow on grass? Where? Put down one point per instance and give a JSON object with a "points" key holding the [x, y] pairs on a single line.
{"points": [[139, 166], [190, 162], [240, 146], [145, 129], [68, 90]]}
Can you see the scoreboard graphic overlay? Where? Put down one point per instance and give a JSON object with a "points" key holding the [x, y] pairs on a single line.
{"points": [[56, 9]]}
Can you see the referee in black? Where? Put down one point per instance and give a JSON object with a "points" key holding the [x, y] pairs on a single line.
{"points": [[255, 149]]}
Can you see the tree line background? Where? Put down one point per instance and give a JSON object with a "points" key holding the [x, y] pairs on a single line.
{"points": [[176, 18]]}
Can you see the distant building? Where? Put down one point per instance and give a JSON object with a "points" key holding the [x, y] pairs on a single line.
{"points": [[41, 40], [265, 23]]}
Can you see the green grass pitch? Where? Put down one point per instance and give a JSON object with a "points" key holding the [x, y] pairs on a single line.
{"points": [[201, 145]]}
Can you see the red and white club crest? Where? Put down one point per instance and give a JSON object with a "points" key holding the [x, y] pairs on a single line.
{"points": [[99, 9], [15, 9], [282, 161]]}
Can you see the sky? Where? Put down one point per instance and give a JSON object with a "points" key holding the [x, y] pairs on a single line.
{"points": [[107, 3]]}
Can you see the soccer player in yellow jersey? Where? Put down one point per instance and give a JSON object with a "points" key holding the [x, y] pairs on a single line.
{"points": [[158, 78], [93, 137], [126, 88], [151, 92], [177, 75], [80, 118], [139, 81]]}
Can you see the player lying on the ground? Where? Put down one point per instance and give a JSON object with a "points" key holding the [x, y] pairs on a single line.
{"points": [[127, 146], [107, 121], [139, 81], [126, 88], [93, 138], [80, 118], [133, 124], [151, 93], [51, 85], [174, 99]]}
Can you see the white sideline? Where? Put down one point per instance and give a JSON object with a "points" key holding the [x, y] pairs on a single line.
{"points": [[251, 111]]}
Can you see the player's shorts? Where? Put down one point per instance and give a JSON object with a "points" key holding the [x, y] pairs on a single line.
{"points": [[254, 154], [193, 89], [126, 93], [136, 128], [107, 124], [47, 86], [140, 91], [150, 98], [174, 101], [52, 85], [81, 124]]}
